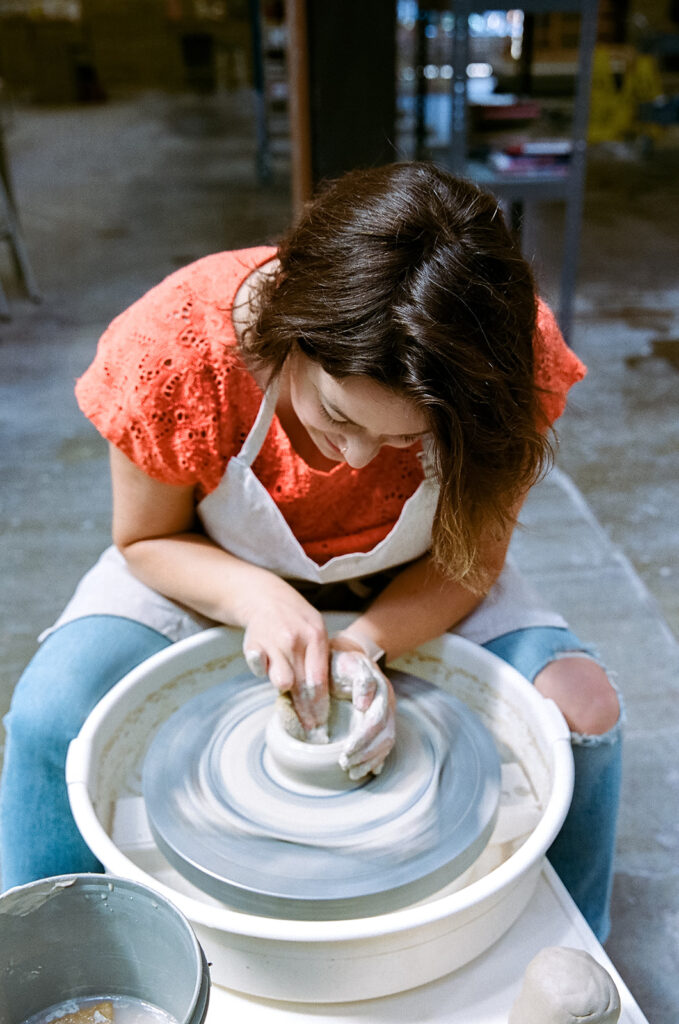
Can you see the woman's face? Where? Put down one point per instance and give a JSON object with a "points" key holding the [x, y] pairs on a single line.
{"points": [[350, 420]]}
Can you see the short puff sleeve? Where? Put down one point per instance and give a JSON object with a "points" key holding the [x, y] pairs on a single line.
{"points": [[157, 388], [557, 368]]}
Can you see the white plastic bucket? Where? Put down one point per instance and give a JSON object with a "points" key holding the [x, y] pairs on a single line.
{"points": [[324, 961]]}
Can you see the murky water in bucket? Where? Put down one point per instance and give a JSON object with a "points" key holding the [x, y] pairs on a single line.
{"points": [[102, 1009]]}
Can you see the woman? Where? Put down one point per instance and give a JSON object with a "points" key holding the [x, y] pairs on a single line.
{"points": [[350, 421]]}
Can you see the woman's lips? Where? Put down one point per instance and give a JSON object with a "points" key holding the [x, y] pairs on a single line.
{"points": [[333, 446]]}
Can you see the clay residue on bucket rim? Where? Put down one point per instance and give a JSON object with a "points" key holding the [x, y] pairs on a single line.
{"points": [[20, 902]]}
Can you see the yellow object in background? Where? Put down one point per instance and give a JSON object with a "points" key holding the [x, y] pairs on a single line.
{"points": [[643, 84], [610, 114], [614, 109]]}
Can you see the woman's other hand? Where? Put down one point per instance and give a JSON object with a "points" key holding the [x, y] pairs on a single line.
{"points": [[356, 677]]}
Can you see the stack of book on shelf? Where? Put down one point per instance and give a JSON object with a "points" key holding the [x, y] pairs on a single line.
{"points": [[549, 157], [503, 109]]}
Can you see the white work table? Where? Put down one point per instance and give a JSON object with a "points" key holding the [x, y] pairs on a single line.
{"points": [[482, 992]]}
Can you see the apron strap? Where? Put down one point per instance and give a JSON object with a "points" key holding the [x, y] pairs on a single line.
{"points": [[260, 428]]}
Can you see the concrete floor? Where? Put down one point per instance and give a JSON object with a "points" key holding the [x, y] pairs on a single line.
{"points": [[113, 198]]}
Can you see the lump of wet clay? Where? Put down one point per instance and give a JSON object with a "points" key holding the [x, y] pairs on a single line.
{"points": [[285, 710], [101, 1013], [566, 986]]}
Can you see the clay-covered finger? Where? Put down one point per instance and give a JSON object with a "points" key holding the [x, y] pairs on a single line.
{"points": [[373, 767], [357, 673], [257, 661], [363, 747], [370, 759], [305, 698], [312, 699], [372, 721], [341, 674], [353, 677], [364, 689], [316, 680]]}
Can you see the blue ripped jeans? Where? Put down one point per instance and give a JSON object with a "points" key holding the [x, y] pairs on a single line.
{"points": [[582, 853], [81, 661]]}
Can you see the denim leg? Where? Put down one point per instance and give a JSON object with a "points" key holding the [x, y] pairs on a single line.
{"points": [[582, 853], [69, 674]]}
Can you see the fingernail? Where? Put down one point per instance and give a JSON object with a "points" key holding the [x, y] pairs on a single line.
{"points": [[256, 661]]}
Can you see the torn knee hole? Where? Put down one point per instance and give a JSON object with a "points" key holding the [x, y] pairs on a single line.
{"points": [[582, 690]]}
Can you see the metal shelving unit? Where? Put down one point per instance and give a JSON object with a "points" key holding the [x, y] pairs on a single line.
{"points": [[522, 189]]}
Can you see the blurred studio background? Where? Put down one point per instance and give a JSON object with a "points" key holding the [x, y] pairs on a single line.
{"points": [[138, 135]]}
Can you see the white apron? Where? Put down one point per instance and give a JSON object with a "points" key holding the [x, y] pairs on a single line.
{"points": [[242, 517]]}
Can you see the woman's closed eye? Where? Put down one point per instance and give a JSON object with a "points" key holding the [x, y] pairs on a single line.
{"points": [[404, 440], [333, 419]]}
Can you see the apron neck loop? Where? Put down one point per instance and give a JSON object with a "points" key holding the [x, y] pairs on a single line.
{"points": [[260, 428]]}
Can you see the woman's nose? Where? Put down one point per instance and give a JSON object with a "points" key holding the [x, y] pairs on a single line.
{"points": [[360, 451]]}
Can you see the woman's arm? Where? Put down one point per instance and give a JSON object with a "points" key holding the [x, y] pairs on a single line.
{"points": [[154, 527], [422, 603]]}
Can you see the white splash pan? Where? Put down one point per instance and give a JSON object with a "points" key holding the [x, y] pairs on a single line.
{"points": [[324, 961]]}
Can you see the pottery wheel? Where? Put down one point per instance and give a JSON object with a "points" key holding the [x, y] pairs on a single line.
{"points": [[233, 825]]}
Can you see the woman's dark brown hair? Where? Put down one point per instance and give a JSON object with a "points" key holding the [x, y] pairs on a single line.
{"points": [[409, 276]]}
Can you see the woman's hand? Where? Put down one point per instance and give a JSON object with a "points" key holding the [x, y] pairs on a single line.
{"points": [[356, 677], [286, 640]]}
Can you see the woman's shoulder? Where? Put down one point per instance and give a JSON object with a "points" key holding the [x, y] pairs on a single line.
{"points": [[557, 367]]}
